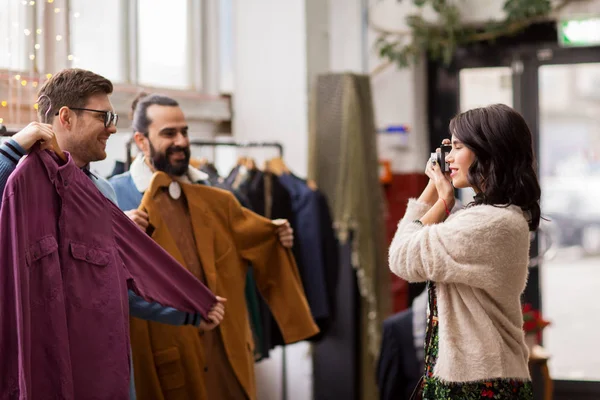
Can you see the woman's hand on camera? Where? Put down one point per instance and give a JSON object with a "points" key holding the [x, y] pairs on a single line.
{"points": [[442, 181]]}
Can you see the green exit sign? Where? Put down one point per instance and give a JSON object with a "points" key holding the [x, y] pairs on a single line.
{"points": [[579, 32]]}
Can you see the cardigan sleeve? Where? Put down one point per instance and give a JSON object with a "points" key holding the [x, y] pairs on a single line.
{"points": [[479, 247], [415, 210]]}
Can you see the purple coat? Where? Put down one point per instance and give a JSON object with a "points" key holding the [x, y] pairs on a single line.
{"points": [[67, 257]]}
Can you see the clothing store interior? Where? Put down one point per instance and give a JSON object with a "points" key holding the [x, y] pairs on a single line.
{"points": [[209, 199]]}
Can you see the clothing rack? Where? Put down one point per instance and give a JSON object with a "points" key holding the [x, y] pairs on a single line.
{"points": [[276, 145], [279, 147], [212, 143]]}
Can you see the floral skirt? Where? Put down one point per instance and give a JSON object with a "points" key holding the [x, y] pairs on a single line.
{"points": [[434, 389], [500, 389]]}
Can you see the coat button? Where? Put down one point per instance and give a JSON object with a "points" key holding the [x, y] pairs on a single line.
{"points": [[66, 182], [205, 369]]}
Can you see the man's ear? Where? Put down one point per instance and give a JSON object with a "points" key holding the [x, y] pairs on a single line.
{"points": [[142, 142], [64, 117]]}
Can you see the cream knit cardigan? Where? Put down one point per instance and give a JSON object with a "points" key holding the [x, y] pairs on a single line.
{"points": [[478, 259]]}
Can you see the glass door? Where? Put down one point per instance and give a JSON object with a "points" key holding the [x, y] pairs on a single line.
{"points": [[569, 171]]}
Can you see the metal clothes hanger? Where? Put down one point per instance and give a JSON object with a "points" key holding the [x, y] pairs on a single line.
{"points": [[54, 143]]}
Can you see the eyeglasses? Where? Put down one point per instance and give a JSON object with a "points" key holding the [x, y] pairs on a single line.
{"points": [[109, 116]]}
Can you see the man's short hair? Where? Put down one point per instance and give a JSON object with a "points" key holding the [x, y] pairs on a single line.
{"points": [[70, 87], [139, 109]]}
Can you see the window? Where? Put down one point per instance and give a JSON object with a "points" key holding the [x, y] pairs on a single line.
{"points": [[17, 31], [97, 32], [151, 43], [164, 44], [569, 142], [226, 46]]}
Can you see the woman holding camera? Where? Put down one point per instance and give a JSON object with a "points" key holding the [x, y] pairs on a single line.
{"points": [[475, 260]]}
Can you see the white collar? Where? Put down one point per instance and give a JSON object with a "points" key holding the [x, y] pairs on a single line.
{"points": [[141, 174]]}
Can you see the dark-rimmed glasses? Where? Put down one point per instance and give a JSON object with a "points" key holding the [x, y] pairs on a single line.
{"points": [[109, 116]]}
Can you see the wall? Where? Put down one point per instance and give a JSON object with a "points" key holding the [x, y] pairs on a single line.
{"points": [[270, 101], [399, 94]]}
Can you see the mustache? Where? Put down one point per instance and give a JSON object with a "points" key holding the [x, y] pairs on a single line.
{"points": [[175, 149]]}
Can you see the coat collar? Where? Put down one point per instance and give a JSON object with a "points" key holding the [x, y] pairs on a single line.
{"points": [[141, 174]]}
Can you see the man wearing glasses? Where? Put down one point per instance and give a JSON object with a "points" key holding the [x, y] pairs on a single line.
{"points": [[75, 108]]}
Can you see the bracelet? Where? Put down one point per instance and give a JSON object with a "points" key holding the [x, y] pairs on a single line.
{"points": [[418, 222], [446, 206]]}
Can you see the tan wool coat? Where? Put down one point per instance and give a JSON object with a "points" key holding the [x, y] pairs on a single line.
{"points": [[168, 359]]}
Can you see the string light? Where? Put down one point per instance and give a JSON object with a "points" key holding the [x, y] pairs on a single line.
{"points": [[1, 120], [23, 80]]}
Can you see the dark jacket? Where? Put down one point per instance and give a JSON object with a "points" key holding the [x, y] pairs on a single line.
{"points": [[398, 370]]}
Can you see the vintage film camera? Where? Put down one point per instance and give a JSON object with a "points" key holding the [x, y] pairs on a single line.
{"points": [[440, 157]]}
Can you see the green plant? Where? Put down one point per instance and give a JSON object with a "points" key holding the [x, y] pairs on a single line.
{"points": [[440, 40]]}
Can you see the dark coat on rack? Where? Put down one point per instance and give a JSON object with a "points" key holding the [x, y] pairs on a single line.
{"points": [[398, 369], [280, 206], [319, 263]]}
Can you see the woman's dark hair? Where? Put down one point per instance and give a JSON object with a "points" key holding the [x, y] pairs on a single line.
{"points": [[139, 107], [504, 170]]}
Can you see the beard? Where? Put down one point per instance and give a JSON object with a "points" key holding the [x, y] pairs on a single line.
{"points": [[161, 160]]}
